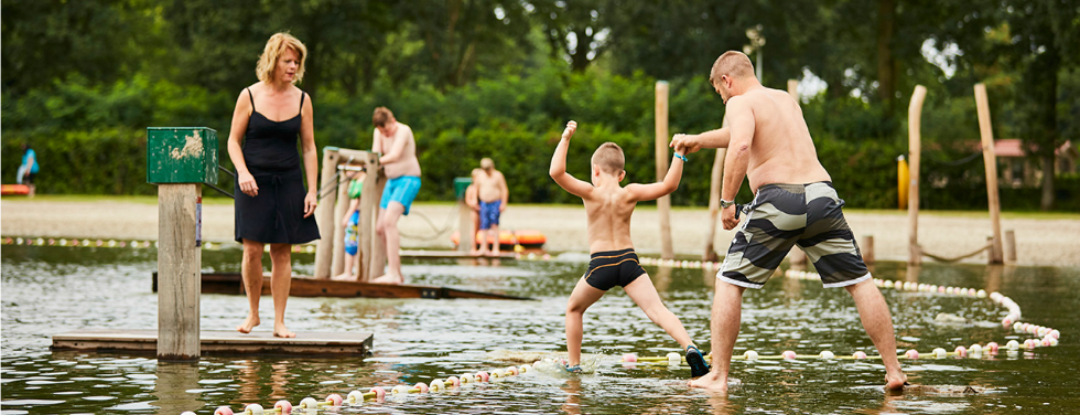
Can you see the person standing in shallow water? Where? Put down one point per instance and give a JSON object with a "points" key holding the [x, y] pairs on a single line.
{"points": [[795, 203], [394, 141], [272, 205]]}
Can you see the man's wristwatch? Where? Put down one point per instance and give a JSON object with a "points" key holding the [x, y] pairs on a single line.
{"points": [[725, 203]]}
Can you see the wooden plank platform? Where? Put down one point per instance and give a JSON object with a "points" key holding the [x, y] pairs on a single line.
{"points": [[421, 254], [232, 283], [219, 342]]}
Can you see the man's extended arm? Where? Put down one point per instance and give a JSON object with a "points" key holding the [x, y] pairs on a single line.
{"points": [[691, 143], [741, 118]]}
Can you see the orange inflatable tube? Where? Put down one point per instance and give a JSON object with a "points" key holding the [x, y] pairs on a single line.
{"points": [[525, 238]]}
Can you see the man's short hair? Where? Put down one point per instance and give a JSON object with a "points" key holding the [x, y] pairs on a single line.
{"points": [[731, 63], [609, 157], [382, 116], [487, 164]]}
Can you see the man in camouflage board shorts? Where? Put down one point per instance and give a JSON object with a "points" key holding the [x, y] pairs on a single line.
{"points": [[795, 203]]}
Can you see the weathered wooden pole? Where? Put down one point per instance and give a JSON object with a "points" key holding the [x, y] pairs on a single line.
{"points": [[466, 234], [987, 134], [914, 155], [324, 215], [369, 213], [868, 250], [179, 160], [663, 204], [793, 89], [1010, 246], [337, 232], [377, 251]]}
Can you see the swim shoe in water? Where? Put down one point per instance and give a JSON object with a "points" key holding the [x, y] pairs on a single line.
{"points": [[570, 369], [698, 367]]}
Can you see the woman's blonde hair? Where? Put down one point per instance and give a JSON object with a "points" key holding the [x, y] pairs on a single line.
{"points": [[275, 47]]}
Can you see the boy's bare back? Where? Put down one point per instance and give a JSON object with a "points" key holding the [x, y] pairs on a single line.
{"points": [[608, 205]]}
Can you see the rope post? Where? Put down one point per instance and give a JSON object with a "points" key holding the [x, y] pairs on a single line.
{"points": [[324, 215], [868, 249], [1010, 246], [337, 262], [663, 204], [179, 160], [369, 213], [914, 153], [987, 135]]}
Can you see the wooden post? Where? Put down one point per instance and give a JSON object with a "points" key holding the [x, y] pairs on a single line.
{"points": [[337, 266], [663, 204], [1010, 246], [179, 271], [324, 215], [983, 106], [369, 213], [793, 89], [868, 250], [465, 224], [914, 154], [716, 181], [377, 250]]}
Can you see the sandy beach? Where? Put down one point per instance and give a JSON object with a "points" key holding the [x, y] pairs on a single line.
{"points": [[1041, 240]]}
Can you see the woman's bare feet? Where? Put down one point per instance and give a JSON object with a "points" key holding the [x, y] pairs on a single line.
{"points": [[281, 331], [389, 279], [896, 382], [249, 323], [712, 382], [344, 277]]}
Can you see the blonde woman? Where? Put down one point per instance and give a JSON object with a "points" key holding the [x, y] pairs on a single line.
{"points": [[272, 205]]}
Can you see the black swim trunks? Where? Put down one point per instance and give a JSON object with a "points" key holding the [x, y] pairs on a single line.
{"points": [[784, 215], [613, 268]]}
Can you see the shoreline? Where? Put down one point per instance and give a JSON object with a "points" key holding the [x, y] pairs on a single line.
{"points": [[1041, 239]]}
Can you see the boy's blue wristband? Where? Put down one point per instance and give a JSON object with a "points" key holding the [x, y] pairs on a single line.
{"points": [[682, 157]]}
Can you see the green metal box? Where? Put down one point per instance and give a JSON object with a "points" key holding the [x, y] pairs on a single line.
{"points": [[181, 155], [460, 184]]}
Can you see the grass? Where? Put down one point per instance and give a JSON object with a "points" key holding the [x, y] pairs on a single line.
{"points": [[152, 200]]}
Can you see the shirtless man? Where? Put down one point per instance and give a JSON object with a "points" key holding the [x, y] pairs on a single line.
{"points": [[493, 195], [402, 171], [608, 207], [794, 203]]}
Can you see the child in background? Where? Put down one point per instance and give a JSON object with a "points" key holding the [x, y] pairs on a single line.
{"points": [[608, 207], [493, 193], [351, 223]]}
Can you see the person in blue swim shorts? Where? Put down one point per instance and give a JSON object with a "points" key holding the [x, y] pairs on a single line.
{"points": [[395, 142], [493, 195]]}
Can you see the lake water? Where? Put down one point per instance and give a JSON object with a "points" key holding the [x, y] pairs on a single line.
{"points": [[48, 290]]}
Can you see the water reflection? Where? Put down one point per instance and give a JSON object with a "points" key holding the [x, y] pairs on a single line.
{"points": [[174, 380]]}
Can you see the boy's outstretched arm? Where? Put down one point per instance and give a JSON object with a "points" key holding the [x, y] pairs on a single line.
{"points": [[558, 166], [654, 191]]}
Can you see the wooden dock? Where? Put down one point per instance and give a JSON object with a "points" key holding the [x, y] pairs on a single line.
{"points": [[219, 342], [232, 283]]}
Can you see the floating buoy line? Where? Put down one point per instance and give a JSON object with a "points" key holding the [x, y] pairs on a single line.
{"points": [[125, 243]]}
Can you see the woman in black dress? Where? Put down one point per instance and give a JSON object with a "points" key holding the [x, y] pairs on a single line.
{"points": [[272, 205]]}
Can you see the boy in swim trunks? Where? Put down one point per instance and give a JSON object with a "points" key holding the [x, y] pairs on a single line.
{"points": [[395, 142], [493, 194], [614, 263], [351, 223], [472, 200]]}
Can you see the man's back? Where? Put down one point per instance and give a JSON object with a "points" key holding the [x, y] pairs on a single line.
{"points": [[781, 151]]}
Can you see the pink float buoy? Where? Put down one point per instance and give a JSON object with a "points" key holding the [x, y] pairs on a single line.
{"points": [[482, 376], [512, 371], [992, 347], [788, 355], [422, 386], [285, 406], [912, 354], [859, 355], [380, 393], [334, 399], [629, 357], [453, 380], [961, 351], [223, 410]]}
